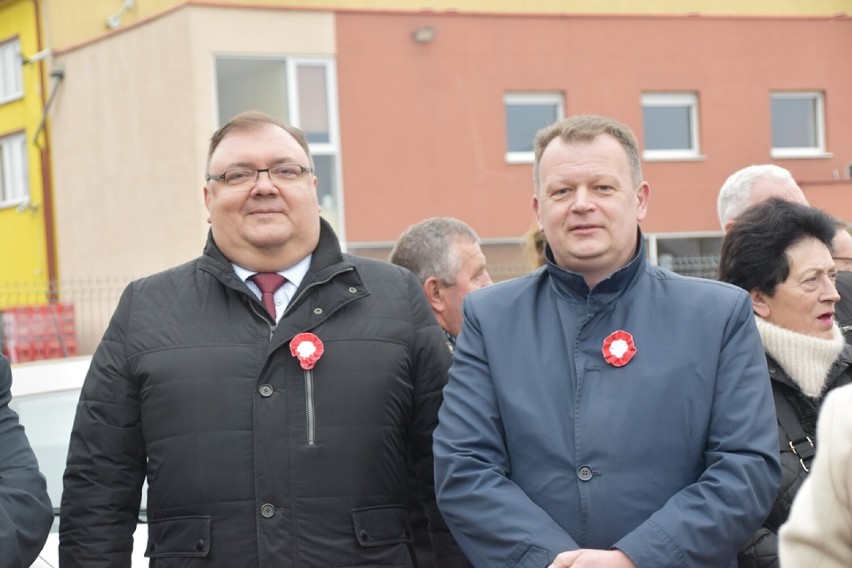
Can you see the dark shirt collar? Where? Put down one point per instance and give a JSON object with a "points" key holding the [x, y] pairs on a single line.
{"points": [[574, 284]]}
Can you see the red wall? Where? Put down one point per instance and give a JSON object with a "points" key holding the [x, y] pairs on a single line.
{"points": [[423, 130]]}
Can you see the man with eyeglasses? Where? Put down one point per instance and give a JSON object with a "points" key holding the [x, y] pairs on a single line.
{"points": [[278, 424]]}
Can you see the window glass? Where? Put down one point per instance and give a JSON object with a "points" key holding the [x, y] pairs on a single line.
{"points": [[326, 169], [313, 102], [670, 125], [251, 84], [667, 127], [794, 121], [11, 76], [526, 114], [14, 171]]}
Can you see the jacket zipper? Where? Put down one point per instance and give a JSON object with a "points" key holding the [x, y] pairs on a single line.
{"points": [[310, 412], [272, 327]]}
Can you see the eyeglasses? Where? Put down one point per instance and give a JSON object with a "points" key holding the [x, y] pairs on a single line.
{"points": [[247, 177]]}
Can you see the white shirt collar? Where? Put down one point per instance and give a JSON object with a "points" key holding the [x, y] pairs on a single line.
{"points": [[294, 275]]}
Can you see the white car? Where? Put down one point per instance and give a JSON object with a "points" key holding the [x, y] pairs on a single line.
{"points": [[45, 394]]}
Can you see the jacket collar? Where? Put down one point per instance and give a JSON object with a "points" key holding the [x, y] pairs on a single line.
{"points": [[327, 253], [574, 284]]}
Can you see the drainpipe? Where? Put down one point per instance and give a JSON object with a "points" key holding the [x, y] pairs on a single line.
{"points": [[46, 172]]}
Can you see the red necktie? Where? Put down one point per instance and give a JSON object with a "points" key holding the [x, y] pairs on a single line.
{"points": [[268, 282]]}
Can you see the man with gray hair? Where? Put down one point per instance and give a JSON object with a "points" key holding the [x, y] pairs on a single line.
{"points": [[445, 256], [752, 185]]}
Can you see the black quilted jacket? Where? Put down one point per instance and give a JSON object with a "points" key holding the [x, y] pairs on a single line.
{"points": [[762, 550], [251, 461]]}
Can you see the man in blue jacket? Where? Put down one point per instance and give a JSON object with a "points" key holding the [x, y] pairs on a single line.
{"points": [[602, 411]]}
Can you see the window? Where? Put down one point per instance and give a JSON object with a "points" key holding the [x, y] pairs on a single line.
{"points": [[14, 178], [11, 82], [670, 122], [797, 125], [300, 91], [526, 114]]}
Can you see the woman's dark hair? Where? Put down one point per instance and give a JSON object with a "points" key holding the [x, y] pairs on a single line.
{"points": [[754, 252]]}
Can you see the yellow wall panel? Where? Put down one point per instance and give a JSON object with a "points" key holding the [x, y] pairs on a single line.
{"points": [[23, 248]]}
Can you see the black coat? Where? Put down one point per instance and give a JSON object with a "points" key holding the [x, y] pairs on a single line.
{"points": [[25, 510], [762, 550], [843, 308], [251, 461]]}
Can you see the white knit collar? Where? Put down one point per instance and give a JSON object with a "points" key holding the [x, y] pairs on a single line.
{"points": [[806, 359]]}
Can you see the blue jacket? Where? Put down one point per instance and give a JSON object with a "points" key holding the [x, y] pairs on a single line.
{"points": [[542, 446]]}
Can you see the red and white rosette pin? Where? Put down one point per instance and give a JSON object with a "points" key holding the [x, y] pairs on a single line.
{"points": [[308, 348], [618, 348]]}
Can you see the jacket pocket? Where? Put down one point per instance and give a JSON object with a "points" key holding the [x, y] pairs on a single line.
{"points": [[382, 525], [179, 536]]}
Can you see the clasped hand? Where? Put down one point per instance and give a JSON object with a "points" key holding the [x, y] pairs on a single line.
{"points": [[589, 558]]}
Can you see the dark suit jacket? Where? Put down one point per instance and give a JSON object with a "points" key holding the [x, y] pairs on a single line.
{"points": [[25, 510], [843, 308]]}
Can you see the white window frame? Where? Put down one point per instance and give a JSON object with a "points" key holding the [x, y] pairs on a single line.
{"points": [[544, 99], [689, 100], [11, 71], [14, 184], [817, 151], [332, 147]]}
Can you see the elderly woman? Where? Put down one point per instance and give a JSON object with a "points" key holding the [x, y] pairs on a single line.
{"points": [[780, 253]]}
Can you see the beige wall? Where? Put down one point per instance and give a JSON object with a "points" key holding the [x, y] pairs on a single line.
{"points": [[130, 127]]}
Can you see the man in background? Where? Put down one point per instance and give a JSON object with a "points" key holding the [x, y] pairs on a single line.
{"points": [[841, 248], [445, 255], [752, 185]]}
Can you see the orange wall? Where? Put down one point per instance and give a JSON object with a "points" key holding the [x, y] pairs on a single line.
{"points": [[422, 125]]}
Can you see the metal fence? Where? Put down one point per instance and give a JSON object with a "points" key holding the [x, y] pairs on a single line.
{"points": [[700, 266], [92, 301]]}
